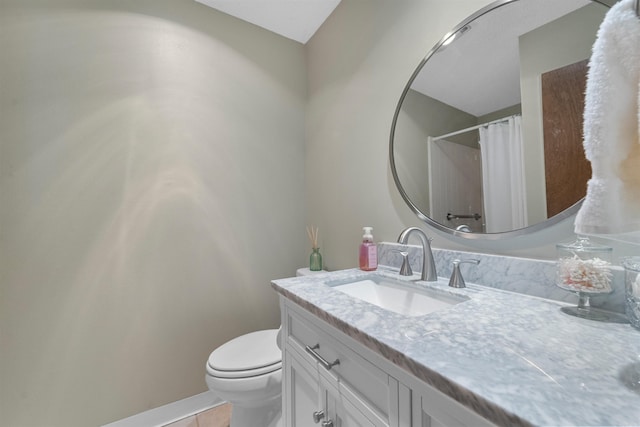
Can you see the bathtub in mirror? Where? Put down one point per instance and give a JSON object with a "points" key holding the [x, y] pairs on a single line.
{"points": [[486, 141]]}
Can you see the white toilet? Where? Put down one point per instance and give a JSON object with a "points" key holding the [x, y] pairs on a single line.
{"points": [[247, 372]]}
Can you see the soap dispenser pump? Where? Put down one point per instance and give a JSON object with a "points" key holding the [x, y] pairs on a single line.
{"points": [[368, 251]]}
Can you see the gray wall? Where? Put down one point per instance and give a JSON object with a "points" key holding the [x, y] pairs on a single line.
{"points": [[152, 182], [358, 65], [151, 185]]}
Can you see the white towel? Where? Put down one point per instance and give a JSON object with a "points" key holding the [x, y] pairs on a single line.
{"points": [[612, 127]]}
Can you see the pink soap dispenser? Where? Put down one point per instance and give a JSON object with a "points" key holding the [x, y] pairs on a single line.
{"points": [[368, 251]]}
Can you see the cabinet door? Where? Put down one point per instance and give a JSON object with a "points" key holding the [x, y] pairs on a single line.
{"points": [[302, 396], [365, 382], [352, 411], [347, 415], [434, 409]]}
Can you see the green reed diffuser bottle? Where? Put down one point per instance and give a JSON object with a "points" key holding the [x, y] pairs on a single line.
{"points": [[315, 259]]}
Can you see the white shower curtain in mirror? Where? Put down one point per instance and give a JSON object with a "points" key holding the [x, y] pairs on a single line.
{"points": [[503, 183]]}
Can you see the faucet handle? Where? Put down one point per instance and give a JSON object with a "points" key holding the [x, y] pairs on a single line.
{"points": [[405, 270], [456, 280]]}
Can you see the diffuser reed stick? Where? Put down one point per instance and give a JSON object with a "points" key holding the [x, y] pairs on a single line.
{"points": [[313, 236]]}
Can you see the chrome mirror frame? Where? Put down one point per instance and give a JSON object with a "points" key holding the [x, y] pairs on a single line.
{"points": [[572, 210]]}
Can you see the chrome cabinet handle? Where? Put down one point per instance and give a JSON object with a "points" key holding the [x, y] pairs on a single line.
{"points": [[317, 416], [326, 365], [328, 423]]}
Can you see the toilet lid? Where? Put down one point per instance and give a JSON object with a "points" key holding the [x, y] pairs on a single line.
{"points": [[255, 350]]}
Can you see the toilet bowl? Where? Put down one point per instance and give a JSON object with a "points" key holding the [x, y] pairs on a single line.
{"points": [[247, 372]]}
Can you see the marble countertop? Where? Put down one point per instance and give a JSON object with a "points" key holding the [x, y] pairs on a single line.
{"points": [[512, 358]]}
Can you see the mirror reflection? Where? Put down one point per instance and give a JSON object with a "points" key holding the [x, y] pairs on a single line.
{"points": [[487, 137]]}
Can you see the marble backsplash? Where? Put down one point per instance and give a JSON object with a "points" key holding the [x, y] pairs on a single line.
{"points": [[522, 275]]}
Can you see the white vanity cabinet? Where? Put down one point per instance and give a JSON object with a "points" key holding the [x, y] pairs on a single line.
{"points": [[327, 382], [314, 398], [332, 380]]}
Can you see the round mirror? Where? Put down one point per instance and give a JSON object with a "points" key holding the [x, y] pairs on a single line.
{"points": [[486, 140]]}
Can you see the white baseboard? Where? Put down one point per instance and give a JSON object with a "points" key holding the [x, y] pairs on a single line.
{"points": [[171, 412]]}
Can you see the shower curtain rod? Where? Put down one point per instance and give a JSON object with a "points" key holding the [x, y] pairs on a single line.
{"points": [[458, 132]]}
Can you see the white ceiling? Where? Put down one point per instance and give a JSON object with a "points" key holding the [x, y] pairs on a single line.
{"points": [[479, 72], [295, 19]]}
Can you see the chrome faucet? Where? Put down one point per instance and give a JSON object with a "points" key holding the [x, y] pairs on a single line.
{"points": [[428, 264]]}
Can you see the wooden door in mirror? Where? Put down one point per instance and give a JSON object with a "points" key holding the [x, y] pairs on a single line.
{"points": [[566, 168]]}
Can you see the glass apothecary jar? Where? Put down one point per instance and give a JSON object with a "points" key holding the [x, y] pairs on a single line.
{"points": [[584, 268], [632, 289]]}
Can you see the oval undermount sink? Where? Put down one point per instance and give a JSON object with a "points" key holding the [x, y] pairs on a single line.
{"points": [[396, 295]]}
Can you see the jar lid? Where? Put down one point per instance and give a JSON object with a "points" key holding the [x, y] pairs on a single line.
{"points": [[631, 263], [583, 244]]}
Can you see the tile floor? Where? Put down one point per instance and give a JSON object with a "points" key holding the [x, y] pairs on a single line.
{"points": [[214, 417]]}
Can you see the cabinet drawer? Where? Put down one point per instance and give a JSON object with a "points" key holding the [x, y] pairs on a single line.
{"points": [[354, 375]]}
